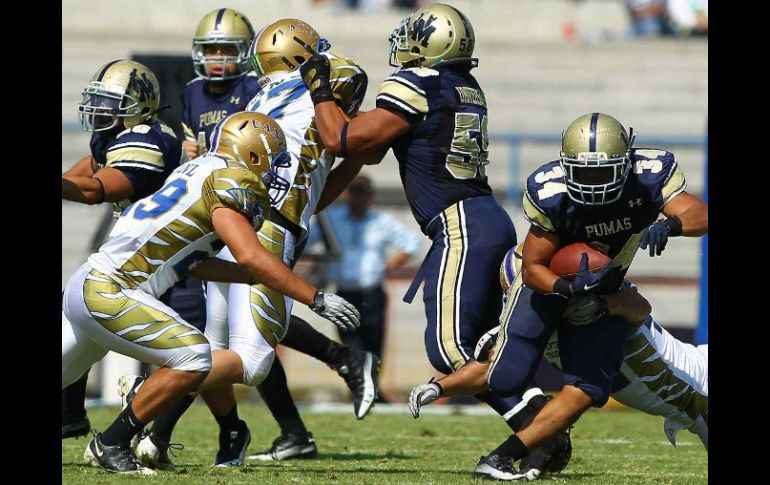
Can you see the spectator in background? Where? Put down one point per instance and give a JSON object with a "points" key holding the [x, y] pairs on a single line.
{"points": [[364, 236], [689, 17], [647, 18]]}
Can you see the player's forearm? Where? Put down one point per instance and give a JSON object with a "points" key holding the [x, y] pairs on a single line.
{"points": [[272, 272], [628, 304], [219, 270], [695, 221], [86, 190], [337, 181], [468, 380], [692, 212], [539, 278], [329, 121]]}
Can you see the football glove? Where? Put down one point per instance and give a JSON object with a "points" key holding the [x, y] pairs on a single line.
{"points": [[583, 310], [656, 236], [315, 74], [586, 282], [337, 310], [422, 395]]}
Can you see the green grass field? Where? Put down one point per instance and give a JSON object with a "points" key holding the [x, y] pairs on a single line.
{"points": [[610, 447]]}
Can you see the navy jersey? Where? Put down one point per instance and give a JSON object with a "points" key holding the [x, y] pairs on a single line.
{"points": [[655, 178], [442, 158], [146, 154], [202, 109]]}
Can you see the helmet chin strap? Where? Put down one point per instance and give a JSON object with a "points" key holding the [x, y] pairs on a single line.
{"points": [[160, 108]]}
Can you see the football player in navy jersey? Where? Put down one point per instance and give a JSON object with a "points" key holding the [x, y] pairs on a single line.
{"points": [[433, 114], [601, 191], [132, 153], [225, 82], [660, 375]]}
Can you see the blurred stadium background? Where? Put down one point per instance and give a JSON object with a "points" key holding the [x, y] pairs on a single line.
{"points": [[542, 63]]}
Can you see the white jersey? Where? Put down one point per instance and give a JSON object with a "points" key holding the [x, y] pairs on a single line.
{"points": [[285, 98], [157, 239]]}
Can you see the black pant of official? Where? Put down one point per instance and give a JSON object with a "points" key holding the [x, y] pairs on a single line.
{"points": [[370, 303]]}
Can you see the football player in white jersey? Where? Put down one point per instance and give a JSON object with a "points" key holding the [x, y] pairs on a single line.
{"points": [[276, 54], [660, 375], [111, 302]]}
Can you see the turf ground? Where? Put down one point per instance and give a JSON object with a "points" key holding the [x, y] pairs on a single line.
{"points": [[614, 447]]}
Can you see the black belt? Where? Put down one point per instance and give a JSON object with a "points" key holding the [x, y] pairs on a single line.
{"points": [[279, 219]]}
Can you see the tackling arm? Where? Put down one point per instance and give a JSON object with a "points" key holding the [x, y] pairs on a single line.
{"points": [[216, 269], [239, 236], [81, 184], [369, 131]]}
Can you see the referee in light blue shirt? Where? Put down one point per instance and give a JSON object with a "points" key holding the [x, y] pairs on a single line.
{"points": [[365, 236]]}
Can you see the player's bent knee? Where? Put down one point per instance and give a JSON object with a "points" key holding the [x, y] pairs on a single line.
{"points": [[584, 395], [197, 358], [256, 365], [504, 382]]}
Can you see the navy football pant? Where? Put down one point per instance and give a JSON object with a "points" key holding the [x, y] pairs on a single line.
{"points": [[462, 293], [188, 298], [590, 354]]}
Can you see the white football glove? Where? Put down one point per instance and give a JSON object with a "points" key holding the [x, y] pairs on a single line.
{"points": [[423, 395], [337, 310], [582, 310]]}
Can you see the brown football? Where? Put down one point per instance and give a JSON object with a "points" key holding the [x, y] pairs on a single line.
{"points": [[566, 261]]}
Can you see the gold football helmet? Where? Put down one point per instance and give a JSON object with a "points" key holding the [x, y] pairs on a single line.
{"points": [[224, 27], [120, 90], [280, 46], [433, 34], [257, 141], [595, 158]]}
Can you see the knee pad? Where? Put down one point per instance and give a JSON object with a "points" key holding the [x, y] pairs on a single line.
{"points": [[504, 381], [256, 364], [195, 358]]}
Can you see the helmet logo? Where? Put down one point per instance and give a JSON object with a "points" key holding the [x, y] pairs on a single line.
{"points": [[143, 86], [422, 30]]}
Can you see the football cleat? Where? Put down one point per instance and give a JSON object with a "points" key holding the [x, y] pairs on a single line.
{"points": [[233, 445], [288, 446], [116, 459], [496, 466], [552, 457], [360, 374], [152, 452]]}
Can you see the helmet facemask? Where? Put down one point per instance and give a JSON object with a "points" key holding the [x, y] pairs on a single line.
{"points": [[201, 61], [102, 109], [399, 42], [277, 186], [594, 179]]}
